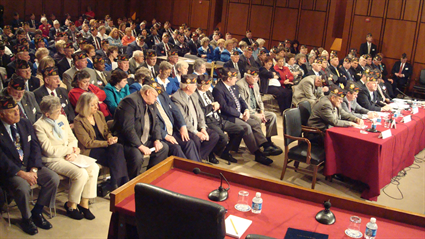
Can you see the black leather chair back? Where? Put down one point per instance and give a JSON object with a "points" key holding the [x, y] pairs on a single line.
{"points": [[305, 111], [161, 213], [422, 78], [292, 124]]}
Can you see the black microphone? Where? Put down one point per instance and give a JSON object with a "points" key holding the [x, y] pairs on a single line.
{"points": [[219, 194]]}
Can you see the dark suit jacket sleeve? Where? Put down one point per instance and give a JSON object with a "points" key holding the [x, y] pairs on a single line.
{"points": [[34, 159], [362, 49], [7, 167], [396, 68], [219, 96], [124, 117], [177, 115], [364, 101]]}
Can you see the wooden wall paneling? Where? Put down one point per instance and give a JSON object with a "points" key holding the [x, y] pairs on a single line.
{"points": [[398, 38], [423, 13], [244, 1], [200, 14], [282, 3], [307, 4], [389, 63], [235, 0], [146, 12], [268, 2], [311, 28], [180, 12], [321, 5], [55, 7], [293, 3], [33, 6], [117, 10], [349, 19], [378, 8], [13, 6], [258, 2], [93, 4], [285, 24], [72, 8], [420, 47], [411, 10], [103, 9], [394, 9], [361, 28], [163, 10], [237, 18], [260, 21], [362, 7]]}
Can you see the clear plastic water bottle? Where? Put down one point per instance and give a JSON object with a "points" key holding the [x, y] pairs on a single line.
{"points": [[371, 229], [257, 203]]}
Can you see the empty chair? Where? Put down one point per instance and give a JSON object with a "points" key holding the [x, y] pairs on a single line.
{"points": [[161, 213], [305, 111], [304, 152]]}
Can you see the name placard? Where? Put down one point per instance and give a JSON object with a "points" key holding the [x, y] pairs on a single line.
{"points": [[385, 134], [415, 110], [407, 119]]}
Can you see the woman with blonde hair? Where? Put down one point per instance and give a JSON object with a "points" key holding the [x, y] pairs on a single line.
{"points": [[228, 48], [114, 38], [206, 51]]}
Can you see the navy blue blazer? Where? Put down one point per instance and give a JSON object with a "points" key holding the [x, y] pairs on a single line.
{"points": [[227, 103], [172, 112], [10, 165]]}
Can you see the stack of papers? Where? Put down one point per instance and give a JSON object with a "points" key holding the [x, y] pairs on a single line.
{"points": [[241, 225], [83, 161]]}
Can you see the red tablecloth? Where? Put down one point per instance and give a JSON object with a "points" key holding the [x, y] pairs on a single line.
{"points": [[279, 212], [371, 160]]}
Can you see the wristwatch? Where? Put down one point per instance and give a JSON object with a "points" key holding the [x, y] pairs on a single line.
{"points": [[35, 170]]}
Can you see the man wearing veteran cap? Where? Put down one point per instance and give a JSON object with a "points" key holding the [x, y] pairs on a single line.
{"points": [[138, 45], [216, 122], [23, 69], [150, 63], [79, 64], [338, 76], [28, 107], [368, 96], [188, 103], [236, 64], [124, 65], [22, 53], [235, 110], [350, 103], [138, 130], [136, 61], [66, 62], [21, 167], [327, 112], [250, 93], [51, 87], [316, 67], [310, 88]]}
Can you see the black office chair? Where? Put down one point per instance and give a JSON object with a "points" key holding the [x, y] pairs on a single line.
{"points": [[305, 111], [305, 151], [161, 213], [418, 86]]}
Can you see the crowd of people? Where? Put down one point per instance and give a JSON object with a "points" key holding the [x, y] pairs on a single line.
{"points": [[95, 89]]}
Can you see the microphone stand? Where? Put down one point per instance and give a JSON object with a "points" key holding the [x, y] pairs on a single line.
{"points": [[220, 194]]}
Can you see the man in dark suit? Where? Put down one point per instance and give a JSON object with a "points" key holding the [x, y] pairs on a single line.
{"points": [[21, 167], [164, 47], [55, 29], [236, 64], [368, 47], [136, 125], [402, 70], [104, 49], [235, 110], [248, 38], [214, 121], [173, 127], [137, 45], [153, 38], [66, 62], [386, 83], [247, 57], [341, 79], [22, 53], [316, 67], [93, 39], [23, 69], [4, 58], [28, 107], [368, 96], [181, 45], [194, 44], [150, 63], [102, 76], [51, 87], [16, 22], [33, 23], [345, 69]]}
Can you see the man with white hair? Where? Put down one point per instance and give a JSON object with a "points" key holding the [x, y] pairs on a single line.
{"points": [[136, 61], [55, 29]]}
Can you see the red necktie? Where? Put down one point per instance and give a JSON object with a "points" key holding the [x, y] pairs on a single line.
{"points": [[251, 86], [21, 113], [173, 72], [249, 63], [401, 68]]}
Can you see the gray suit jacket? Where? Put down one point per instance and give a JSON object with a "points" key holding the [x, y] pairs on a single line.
{"points": [[104, 83], [356, 109], [246, 95], [68, 77], [133, 65], [324, 115], [28, 102], [306, 90], [181, 100]]}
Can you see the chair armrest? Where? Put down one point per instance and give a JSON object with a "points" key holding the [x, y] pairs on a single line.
{"points": [[308, 157], [311, 130]]}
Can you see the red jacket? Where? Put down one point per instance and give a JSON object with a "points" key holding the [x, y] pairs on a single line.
{"points": [[75, 93], [45, 29], [284, 73]]}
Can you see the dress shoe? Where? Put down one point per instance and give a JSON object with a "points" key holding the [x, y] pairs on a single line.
{"points": [[272, 151], [86, 212], [263, 160], [73, 213], [212, 159], [40, 221], [28, 226], [228, 157]]}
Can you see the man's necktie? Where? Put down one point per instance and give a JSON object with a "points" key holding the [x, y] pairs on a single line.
{"points": [[21, 112], [401, 68], [153, 72], [208, 101], [337, 72], [146, 124], [97, 43], [164, 116], [251, 86], [173, 72], [238, 105], [368, 47], [17, 141]]}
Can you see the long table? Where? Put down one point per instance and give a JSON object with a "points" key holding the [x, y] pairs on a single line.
{"points": [[284, 205], [371, 160]]}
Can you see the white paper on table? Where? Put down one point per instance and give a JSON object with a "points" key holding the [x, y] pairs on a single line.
{"points": [[240, 223], [83, 161]]}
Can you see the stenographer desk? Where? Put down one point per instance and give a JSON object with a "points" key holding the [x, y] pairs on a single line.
{"points": [[284, 205], [371, 160]]}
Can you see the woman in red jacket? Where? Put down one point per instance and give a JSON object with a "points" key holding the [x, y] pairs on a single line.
{"points": [[286, 78], [81, 84]]}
